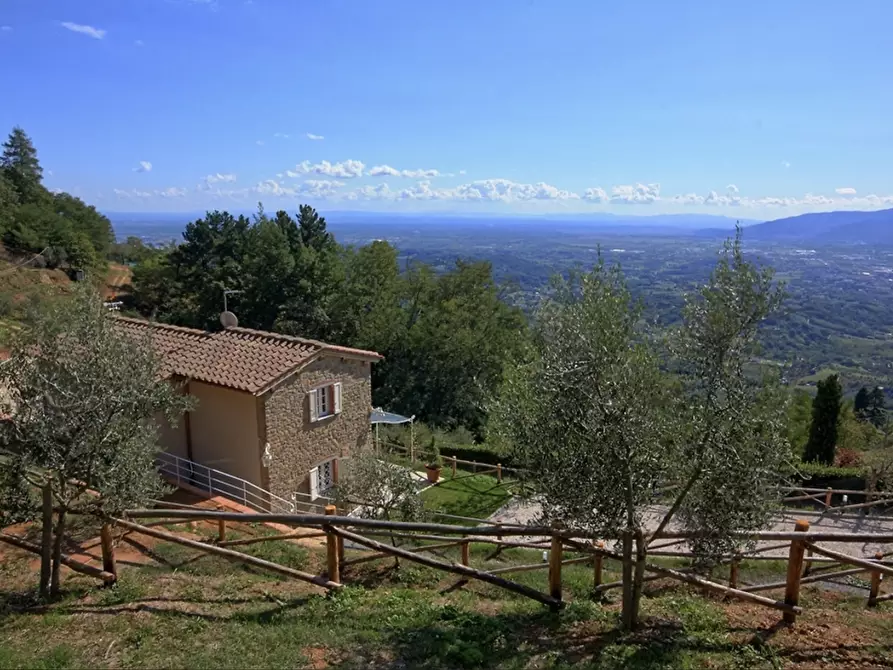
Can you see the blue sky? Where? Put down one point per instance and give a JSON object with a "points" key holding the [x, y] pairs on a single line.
{"points": [[758, 109]]}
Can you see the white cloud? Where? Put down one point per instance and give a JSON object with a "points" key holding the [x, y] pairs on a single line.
{"points": [[640, 194], [785, 164], [420, 174], [596, 195], [6, 29], [388, 171], [144, 166], [383, 171], [320, 188], [95, 33], [845, 190], [311, 136], [132, 193], [349, 169], [282, 136], [217, 177], [462, 171], [138, 43], [259, 143], [492, 190], [380, 192], [171, 192], [731, 188], [274, 188]]}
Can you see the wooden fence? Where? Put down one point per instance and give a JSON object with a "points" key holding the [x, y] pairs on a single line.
{"points": [[808, 560], [453, 463]]}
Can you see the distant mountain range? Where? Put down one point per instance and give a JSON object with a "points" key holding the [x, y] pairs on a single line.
{"points": [[818, 228], [823, 228]]}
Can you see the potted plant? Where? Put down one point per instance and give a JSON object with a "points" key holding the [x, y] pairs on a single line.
{"points": [[435, 463]]}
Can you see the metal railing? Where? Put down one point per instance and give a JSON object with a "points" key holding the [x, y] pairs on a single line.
{"points": [[216, 482]]}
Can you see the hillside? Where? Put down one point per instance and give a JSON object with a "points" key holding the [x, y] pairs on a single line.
{"points": [[828, 228], [175, 607], [23, 279]]}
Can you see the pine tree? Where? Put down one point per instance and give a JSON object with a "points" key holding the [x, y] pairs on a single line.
{"points": [[313, 229], [825, 412], [21, 167]]}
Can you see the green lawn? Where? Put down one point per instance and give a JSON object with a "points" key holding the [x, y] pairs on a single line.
{"points": [[466, 494]]}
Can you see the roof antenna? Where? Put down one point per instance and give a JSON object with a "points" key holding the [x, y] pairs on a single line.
{"points": [[227, 318]]}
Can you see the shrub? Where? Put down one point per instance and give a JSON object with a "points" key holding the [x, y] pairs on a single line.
{"points": [[848, 458]]}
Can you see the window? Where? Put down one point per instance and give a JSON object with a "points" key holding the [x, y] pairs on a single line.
{"points": [[322, 479], [325, 401], [322, 402]]}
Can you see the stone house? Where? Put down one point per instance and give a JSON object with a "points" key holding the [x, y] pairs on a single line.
{"points": [[279, 412]]}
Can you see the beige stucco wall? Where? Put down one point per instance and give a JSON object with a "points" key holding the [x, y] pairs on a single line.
{"points": [[224, 431], [172, 438], [296, 444]]}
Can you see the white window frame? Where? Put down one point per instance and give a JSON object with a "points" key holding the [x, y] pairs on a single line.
{"points": [[325, 401]]}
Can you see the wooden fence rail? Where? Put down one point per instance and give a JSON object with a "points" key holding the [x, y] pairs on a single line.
{"points": [[801, 544], [318, 520]]}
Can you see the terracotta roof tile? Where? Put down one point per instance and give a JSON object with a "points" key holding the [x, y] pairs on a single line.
{"points": [[238, 358]]}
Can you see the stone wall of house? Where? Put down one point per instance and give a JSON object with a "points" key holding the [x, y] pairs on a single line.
{"points": [[297, 444]]}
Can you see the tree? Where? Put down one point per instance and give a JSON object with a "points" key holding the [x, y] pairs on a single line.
{"points": [[384, 490], [9, 202], [860, 403], [876, 411], [84, 400], [268, 270], [367, 309], [853, 433], [317, 278], [455, 335], [825, 413], [20, 166], [209, 260], [799, 419], [600, 425]]}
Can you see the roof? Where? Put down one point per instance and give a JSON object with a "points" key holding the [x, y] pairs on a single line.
{"points": [[238, 358]]}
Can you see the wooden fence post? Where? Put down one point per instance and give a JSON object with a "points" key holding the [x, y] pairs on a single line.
{"points": [[807, 565], [221, 530], [108, 550], [465, 557], [454, 467], [875, 583], [734, 569], [499, 472], [332, 565], [795, 570], [597, 565], [555, 568], [828, 498], [46, 547]]}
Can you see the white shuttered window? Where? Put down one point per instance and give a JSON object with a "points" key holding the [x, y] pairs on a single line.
{"points": [[325, 401], [322, 479]]}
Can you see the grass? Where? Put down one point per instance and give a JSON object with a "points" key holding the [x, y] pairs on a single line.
{"points": [[194, 610], [466, 494]]}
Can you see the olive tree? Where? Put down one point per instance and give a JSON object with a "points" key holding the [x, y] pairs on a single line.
{"points": [[384, 490], [603, 422], [82, 400]]}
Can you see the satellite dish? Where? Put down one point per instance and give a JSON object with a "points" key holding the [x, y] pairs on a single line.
{"points": [[228, 319]]}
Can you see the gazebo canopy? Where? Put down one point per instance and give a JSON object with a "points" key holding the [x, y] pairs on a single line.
{"points": [[380, 416]]}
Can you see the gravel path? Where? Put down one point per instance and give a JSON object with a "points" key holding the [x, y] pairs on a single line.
{"points": [[526, 512]]}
